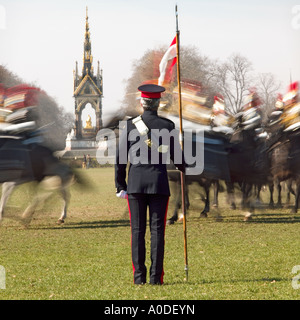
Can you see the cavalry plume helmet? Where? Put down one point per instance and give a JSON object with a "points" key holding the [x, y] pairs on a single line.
{"points": [[252, 100], [292, 93], [279, 103], [219, 104], [20, 96], [151, 91]]}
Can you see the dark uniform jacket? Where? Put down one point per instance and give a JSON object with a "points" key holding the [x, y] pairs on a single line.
{"points": [[146, 177]]}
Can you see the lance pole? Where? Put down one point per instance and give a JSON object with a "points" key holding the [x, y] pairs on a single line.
{"points": [[183, 187]]}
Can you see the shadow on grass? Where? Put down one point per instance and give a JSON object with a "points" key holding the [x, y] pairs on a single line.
{"points": [[259, 217], [93, 224], [215, 216], [269, 218], [229, 281]]}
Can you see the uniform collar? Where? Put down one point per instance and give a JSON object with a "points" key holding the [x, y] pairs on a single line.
{"points": [[150, 112]]}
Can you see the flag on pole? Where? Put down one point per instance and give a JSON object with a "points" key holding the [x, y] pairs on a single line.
{"points": [[165, 71]]}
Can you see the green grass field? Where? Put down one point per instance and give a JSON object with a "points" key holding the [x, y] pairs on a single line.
{"points": [[89, 256]]}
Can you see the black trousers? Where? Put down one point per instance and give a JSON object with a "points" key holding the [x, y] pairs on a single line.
{"points": [[158, 206]]}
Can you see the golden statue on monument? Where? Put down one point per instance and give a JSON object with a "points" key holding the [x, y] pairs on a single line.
{"points": [[88, 123]]}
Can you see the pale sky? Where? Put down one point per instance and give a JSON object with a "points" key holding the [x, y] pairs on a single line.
{"points": [[41, 40]]}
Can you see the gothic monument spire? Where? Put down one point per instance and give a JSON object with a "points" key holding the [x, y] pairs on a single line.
{"points": [[87, 54]]}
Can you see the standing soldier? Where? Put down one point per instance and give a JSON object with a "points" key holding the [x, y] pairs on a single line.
{"points": [[148, 185]]}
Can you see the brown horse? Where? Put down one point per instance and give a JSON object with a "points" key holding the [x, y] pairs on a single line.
{"points": [[283, 152]]}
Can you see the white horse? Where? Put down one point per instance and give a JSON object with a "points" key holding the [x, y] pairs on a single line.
{"points": [[50, 173]]}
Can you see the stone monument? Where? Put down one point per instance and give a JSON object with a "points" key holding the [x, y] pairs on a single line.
{"points": [[87, 92]]}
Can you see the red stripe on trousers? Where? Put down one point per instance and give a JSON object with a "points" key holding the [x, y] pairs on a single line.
{"points": [[162, 274], [131, 238]]}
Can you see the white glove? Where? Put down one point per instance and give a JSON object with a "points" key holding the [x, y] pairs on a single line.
{"points": [[122, 194]]}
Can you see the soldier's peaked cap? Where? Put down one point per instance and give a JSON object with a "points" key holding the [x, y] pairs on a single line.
{"points": [[152, 91]]}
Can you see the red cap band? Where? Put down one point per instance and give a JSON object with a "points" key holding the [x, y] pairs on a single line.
{"points": [[151, 91], [151, 95]]}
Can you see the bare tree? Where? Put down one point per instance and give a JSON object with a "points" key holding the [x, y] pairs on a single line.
{"points": [[197, 67], [268, 88], [233, 79]]}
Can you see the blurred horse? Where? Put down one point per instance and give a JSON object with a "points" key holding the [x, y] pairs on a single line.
{"points": [[249, 163], [43, 167], [285, 159], [202, 182], [277, 184]]}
